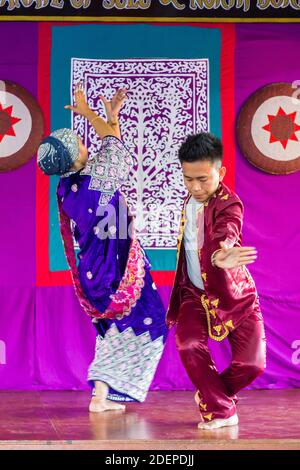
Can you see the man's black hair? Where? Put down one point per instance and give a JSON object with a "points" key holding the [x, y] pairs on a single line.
{"points": [[201, 147]]}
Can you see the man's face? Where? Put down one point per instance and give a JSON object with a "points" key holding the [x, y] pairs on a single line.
{"points": [[202, 178]]}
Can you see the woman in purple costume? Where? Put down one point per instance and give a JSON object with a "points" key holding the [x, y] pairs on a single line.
{"points": [[111, 272]]}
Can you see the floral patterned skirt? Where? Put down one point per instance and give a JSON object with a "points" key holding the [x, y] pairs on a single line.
{"points": [[128, 350]]}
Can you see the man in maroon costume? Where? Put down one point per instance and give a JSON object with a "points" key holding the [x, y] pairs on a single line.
{"points": [[214, 295]]}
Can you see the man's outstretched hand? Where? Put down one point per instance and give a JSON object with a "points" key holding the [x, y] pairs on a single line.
{"points": [[228, 258]]}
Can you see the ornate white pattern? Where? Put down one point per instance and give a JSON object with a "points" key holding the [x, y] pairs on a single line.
{"points": [[168, 100], [126, 362]]}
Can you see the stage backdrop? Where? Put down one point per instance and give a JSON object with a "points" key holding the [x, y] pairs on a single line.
{"points": [[183, 78]]}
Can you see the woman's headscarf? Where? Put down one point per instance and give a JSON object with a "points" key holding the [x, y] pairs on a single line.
{"points": [[58, 152]]}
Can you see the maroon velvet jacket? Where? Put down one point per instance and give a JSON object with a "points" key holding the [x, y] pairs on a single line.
{"points": [[230, 294]]}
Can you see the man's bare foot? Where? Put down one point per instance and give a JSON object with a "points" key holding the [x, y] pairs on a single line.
{"points": [[220, 423], [98, 405]]}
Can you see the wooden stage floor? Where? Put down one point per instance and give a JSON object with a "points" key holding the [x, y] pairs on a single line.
{"points": [[269, 419]]}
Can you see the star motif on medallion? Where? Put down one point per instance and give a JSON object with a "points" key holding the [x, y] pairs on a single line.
{"points": [[282, 127], [7, 121]]}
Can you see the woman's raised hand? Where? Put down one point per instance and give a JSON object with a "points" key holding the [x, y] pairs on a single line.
{"points": [[113, 106]]}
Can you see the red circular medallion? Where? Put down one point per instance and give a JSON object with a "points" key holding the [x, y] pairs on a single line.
{"points": [[268, 129], [21, 126]]}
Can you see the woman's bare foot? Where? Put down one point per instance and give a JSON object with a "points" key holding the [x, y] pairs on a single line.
{"points": [[98, 405], [220, 423]]}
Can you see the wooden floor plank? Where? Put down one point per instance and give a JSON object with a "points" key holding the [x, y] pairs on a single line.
{"points": [[269, 419]]}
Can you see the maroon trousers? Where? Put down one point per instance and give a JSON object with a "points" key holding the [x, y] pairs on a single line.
{"points": [[217, 391]]}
